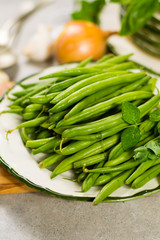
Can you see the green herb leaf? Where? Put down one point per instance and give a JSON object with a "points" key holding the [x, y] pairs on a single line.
{"points": [[155, 116], [130, 137], [137, 15], [141, 153], [89, 11], [151, 151], [124, 2], [130, 113]]}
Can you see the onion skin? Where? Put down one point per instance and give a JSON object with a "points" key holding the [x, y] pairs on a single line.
{"points": [[80, 40]]}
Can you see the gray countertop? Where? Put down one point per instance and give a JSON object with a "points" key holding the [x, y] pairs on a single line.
{"points": [[35, 216]]}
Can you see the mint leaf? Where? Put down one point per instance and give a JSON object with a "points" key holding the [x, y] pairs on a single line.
{"points": [[137, 15], [130, 113], [141, 153], [89, 11], [154, 146], [155, 116], [130, 137]]}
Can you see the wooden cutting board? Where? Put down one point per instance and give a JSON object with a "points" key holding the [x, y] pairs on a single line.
{"points": [[9, 184]]}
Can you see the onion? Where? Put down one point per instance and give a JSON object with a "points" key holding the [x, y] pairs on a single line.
{"points": [[4, 82], [80, 40]]}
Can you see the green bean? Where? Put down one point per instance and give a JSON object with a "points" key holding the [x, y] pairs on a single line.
{"points": [[95, 148], [146, 177], [122, 167], [24, 135], [15, 110], [99, 108], [108, 122], [105, 58], [110, 187], [69, 82], [21, 93], [85, 62], [28, 85], [105, 178], [32, 123], [117, 59], [47, 146], [78, 171], [30, 115], [141, 169], [85, 82], [82, 176], [57, 116], [103, 95], [31, 130], [42, 99], [33, 107], [50, 160], [73, 72], [38, 142], [122, 66], [90, 179], [44, 134], [74, 147], [90, 160]]}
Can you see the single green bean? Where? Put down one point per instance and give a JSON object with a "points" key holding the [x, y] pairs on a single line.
{"points": [[85, 62], [69, 82], [90, 160], [42, 99], [82, 177], [74, 147], [44, 134], [105, 178], [50, 160], [32, 123], [110, 187], [73, 72], [38, 142], [122, 167], [24, 135], [30, 115]]}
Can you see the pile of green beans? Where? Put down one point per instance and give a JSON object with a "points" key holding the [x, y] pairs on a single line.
{"points": [[74, 118]]}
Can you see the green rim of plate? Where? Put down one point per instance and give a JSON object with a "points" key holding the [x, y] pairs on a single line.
{"points": [[68, 197]]}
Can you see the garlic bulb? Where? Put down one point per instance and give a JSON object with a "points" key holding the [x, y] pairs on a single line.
{"points": [[4, 82], [40, 46]]}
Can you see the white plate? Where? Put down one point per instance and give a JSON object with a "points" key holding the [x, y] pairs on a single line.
{"points": [[23, 165]]}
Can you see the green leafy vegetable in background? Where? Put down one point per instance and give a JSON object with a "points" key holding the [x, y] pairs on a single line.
{"points": [[137, 15], [89, 11]]}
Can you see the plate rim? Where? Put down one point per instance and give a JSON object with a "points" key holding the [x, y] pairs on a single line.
{"points": [[56, 194]]}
